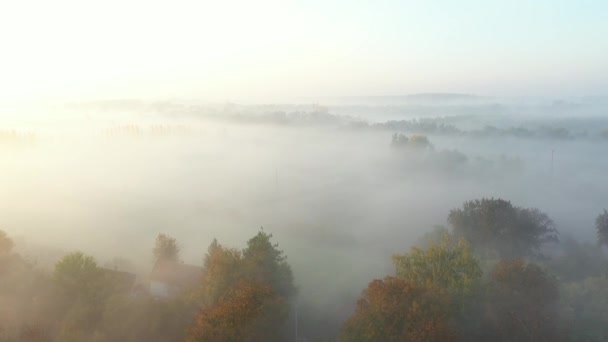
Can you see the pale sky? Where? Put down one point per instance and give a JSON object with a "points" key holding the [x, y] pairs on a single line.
{"points": [[265, 50]]}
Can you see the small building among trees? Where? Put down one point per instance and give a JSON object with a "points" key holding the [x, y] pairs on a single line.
{"points": [[169, 278]]}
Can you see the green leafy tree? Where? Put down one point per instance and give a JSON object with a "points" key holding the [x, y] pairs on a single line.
{"points": [[80, 295], [496, 228], [264, 262], [601, 224], [447, 264], [165, 249], [77, 275], [261, 261]]}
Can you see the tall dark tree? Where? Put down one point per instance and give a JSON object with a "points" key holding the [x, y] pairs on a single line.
{"points": [[522, 303], [496, 228], [265, 262], [601, 224]]}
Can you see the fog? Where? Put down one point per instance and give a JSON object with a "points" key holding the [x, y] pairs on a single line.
{"points": [[107, 178]]}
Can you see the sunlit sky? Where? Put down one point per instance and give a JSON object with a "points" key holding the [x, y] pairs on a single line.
{"points": [[265, 50]]}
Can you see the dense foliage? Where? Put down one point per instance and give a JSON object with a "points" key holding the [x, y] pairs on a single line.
{"points": [[244, 294], [165, 249], [248, 311], [496, 228], [483, 280], [522, 303], [517, 299], [394, 309], [447, 264], [601, 224]]}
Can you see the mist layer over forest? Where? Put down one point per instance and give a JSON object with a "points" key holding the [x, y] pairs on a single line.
{"points": [[342, 184]]}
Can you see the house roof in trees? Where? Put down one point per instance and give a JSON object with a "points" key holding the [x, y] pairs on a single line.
{"points": [[175, 273], [121, 281]]}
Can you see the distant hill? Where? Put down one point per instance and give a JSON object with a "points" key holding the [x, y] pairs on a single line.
{"points": [[444, 97]]}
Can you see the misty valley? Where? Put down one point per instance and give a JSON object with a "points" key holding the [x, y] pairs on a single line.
{"points": [[436, 217]]}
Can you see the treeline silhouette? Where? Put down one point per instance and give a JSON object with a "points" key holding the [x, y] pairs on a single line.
{"points": [[499, 273], [429, 119], [17, 138], [134, 130]]}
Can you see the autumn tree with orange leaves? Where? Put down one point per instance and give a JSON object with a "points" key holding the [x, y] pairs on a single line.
{"points": [[223, 267], [244, 295], [429, 299], [247, 312], [393, 309]]}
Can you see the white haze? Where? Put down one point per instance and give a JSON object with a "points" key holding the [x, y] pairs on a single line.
{"points": [[338, 201]]}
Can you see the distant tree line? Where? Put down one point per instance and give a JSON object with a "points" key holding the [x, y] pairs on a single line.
{"points": [[432, 121]]}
